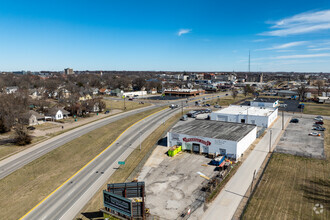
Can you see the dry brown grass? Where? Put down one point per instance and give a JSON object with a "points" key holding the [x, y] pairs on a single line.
{"points": [[26, 187], [291, 186], [132, 165], [116, 104]]}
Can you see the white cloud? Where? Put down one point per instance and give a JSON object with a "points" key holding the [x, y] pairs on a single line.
{"points": [[301, 23], [184, 31], [319, 49], [301, 56], [285, 46]]}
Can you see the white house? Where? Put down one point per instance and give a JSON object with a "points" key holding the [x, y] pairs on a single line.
{"points": [[56, 114], [11, 89], [259, 116], [212, 137]]}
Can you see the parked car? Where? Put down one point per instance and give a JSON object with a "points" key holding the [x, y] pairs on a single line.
{"points": [[217, 106], [319, 122], [318, 119], [283, 105], [319, 116], [189, 114], [314, 134], [31, 128], [227, 94], [294, 120], [318, 128], [208, 110], [130, 99], [107, 112], [184, 118], [208, 105]]}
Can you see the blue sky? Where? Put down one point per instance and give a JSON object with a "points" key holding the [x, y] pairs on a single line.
{"points": [[174, 35]]}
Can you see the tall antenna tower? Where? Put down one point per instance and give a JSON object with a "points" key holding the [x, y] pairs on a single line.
{"points": [[249, 60]]}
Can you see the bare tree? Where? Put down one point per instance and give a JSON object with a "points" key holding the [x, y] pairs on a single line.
{"points": [[302, 91], [22, 136], [234, 93], [319, 84]]}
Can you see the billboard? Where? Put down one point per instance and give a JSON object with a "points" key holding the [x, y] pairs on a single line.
{"points": [[117, 203]]}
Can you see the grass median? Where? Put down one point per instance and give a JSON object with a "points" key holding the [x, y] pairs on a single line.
{"points": [[26, 187], [133, 164], [292, 186]]}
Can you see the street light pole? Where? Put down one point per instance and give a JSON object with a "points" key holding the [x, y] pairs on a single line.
{"points": [[182, 108]]}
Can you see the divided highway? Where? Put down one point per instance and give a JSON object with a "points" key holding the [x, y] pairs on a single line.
{"points": [[13, 163], [68, 199]]}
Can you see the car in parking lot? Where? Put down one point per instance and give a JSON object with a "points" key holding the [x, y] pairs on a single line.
{"points": [[318, 117], [107, 112], [319, 122], [318, 128], [208, 105], [314, 134], [294, 120], [31, 128], [217, 106]]}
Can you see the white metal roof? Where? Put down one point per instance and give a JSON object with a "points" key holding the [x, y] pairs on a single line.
{"points": [[246, 110]]}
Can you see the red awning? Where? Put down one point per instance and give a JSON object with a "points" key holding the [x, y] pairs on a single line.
{"points": [[222, 164]]}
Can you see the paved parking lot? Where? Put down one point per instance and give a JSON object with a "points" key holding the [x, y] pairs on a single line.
{"points": [[296, 140], [172, 184]]}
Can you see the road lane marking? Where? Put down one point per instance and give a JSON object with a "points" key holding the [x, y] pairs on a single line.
{"points": [[89, 163]]}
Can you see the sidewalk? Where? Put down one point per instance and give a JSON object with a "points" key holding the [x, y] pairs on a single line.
{"points": [[226, 203]]}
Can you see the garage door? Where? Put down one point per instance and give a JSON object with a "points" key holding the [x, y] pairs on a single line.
{"points": [[196, 148]]}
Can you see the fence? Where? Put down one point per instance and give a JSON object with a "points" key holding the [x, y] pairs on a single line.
{"points": [[208, 188]]}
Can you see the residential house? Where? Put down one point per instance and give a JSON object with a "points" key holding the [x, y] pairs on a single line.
{"points": [[56, 114], [84, 95], [31, 118], [117, 92], [95, 91], [104, 91], [11, 89]]}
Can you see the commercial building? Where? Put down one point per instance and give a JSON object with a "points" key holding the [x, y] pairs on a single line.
{"points": [[136, 93], [263, 102], [259, 116], [212, 137], [68, 71]]}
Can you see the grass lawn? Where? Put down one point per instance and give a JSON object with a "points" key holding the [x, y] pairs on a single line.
{"points": [[227, 100], [46, 126], [23, 189], [291, 186], [317, 109], [116, 104], [131, 163]]}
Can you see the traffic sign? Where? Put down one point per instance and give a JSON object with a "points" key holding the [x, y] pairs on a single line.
{"points": [[121, 162]]}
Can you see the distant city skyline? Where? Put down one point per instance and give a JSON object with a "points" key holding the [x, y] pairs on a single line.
{"points": [[187, 35]]}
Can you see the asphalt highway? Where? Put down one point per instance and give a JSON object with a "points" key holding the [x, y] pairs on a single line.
{"points": [[67, 201], [17, 161], [12, 163]]}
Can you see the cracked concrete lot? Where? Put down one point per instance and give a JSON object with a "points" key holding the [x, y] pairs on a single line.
{"points": [[172, 184]]}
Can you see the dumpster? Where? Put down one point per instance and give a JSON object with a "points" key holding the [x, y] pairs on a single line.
{"points": [[174, 150]]}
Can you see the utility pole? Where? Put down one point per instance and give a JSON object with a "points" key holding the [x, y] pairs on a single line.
{"points": [[282, 119], [270, 140], [124, 102], [249, 60], [182, 108], [254, 174]]}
